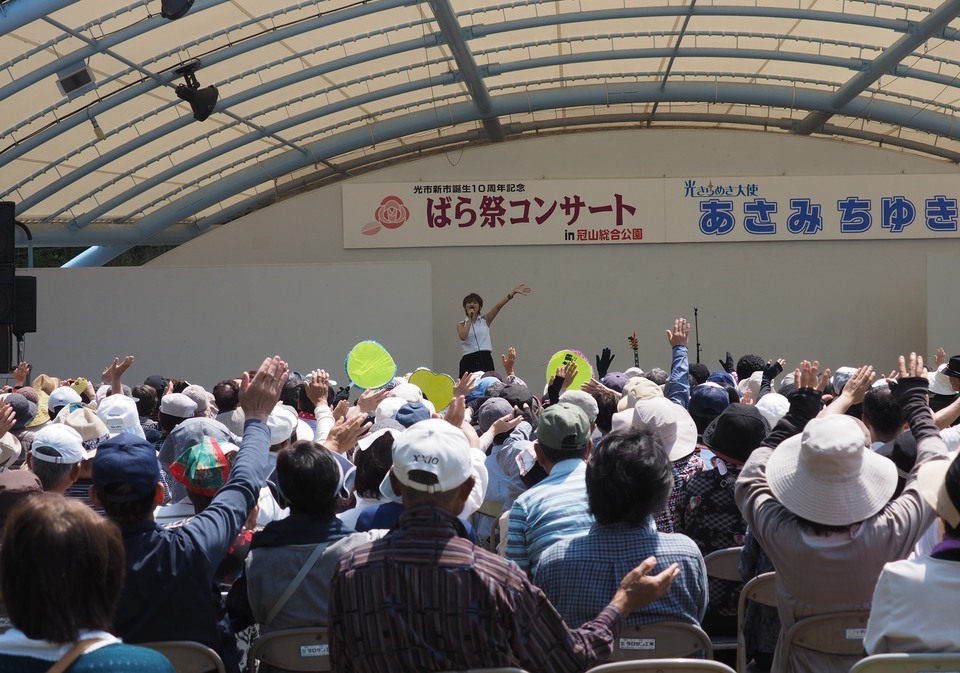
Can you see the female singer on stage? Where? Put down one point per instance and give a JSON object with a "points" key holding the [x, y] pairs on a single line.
{"points": [[474, 331]]}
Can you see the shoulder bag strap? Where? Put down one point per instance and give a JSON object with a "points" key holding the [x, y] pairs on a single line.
{"points": [[295, 583], [73, 654]]}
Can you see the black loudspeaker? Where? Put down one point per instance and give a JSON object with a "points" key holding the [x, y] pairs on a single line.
{"points": [[24, 305], [7, 302], [8, 230], [6, 348]]}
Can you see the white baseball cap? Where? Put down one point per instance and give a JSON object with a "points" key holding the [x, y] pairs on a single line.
{"points": [[432, 456], [62, 439]]}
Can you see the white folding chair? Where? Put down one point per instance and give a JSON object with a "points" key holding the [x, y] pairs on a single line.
{"points": [[656, 665], [661, 640], [303, 649], [945, 662], [724, 564], [761, 589], [839, 634]]}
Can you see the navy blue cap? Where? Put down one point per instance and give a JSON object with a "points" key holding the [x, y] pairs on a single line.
{"points": [[412, 412], [126, 460]]}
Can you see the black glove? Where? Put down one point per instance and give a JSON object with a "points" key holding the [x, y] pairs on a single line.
{"points": [[603, 362], [727, 364], [772, 370], [343, 393]]}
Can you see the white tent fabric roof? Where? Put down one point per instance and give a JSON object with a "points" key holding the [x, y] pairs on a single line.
{"points": [[313, 92]]}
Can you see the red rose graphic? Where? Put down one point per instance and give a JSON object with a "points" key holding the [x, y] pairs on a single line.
{"points": [[392, 213]]}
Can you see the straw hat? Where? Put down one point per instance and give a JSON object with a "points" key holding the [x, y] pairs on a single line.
{"points": [[828, 475]]}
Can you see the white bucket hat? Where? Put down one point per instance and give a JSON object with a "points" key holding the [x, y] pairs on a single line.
{"points": [[670, 422], [939, 484], [828, 474]]}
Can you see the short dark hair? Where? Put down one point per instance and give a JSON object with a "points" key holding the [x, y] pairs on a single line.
{"points": [[308, 477], [607, 407], [556, 455], [882, 412], [373, 465], [50, 474], [748, 364], [168, 422], [126, 512], [290, 393], [146, 399], [61, 568], [473, 296], [227, 395], [629, 478]]}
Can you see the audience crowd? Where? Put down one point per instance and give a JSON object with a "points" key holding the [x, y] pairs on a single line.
{"points": [[506, 527]]}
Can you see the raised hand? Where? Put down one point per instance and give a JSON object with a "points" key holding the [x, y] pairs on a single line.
{"points": [[680, 334], [727, 364], [317, 385], [859, 384], [345, 433], [604, 360], [465, 385], [509, 360], [909, 367], [370, 399], [807, 374], [940, 357], [773, 368], [21, 373], [506, 423], [259, 395]]}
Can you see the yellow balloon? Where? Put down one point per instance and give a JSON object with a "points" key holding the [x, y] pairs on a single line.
{"points": [[561, 358], [438, 388], [369, 365]]}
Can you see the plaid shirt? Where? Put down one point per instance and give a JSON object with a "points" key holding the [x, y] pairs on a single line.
{"points": [[580, 575], [424, 598], [683, 470], [708, 513]]}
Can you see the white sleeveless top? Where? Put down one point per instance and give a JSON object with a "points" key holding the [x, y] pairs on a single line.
{"points": [[478, 337]]}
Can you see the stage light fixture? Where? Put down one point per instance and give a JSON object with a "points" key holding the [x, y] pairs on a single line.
{"points": [[202, 101], [174, 9]]}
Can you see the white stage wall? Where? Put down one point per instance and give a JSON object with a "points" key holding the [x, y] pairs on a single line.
{"points": [[206, 324]]}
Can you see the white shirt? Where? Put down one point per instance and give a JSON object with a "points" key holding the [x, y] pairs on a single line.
{"points": [[478, 337]]}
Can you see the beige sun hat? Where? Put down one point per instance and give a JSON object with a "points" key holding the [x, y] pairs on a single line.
{"points": [[670, 422], [637, 389], [828, 474], [939, 484]]}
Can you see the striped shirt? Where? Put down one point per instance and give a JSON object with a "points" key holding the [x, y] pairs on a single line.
{"points": [[424, 598], [551, 511]]}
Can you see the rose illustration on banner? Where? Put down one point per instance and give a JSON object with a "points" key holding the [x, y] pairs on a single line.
{"points": [[391, 214]]}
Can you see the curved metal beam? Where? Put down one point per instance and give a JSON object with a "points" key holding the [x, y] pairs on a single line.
{"points": [[165, 78], [170, 127], [517, 103], [453, 33], [15, 14], [135, 144], [476, 31], [106, 42], [886, 62]]}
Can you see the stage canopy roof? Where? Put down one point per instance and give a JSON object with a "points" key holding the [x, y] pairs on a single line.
{"points": [[310, 93]]}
